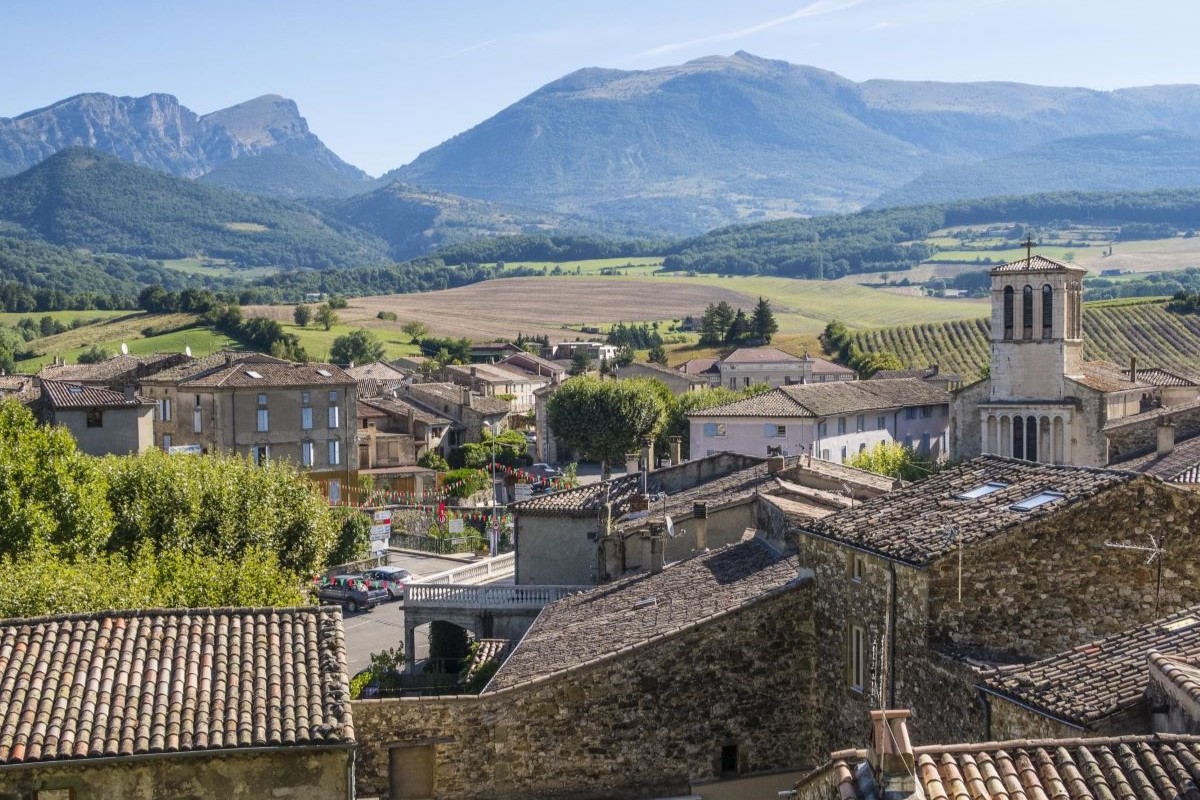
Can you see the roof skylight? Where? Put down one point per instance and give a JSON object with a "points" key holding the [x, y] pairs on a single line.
{"points": [[253, 374], [1037, 500], [983, 490], [325, 373]]}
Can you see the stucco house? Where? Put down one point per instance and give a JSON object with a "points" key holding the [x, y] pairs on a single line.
{"points": [[770, 366], [102, 421], [159, 704], [831, 421]]}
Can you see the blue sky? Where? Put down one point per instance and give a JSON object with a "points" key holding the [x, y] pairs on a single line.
{"points": [[381, 81]]}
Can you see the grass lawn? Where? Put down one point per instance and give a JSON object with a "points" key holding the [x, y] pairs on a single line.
{"points": [[65, 317], [217, 268], [110, 336], [642, 265]]}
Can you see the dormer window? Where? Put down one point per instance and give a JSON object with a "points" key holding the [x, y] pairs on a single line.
{"points": [[983, 490], [1038, 500]]}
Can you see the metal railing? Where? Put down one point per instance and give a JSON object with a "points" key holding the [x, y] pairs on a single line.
{"points": [[498, 597], [484, 571], [438, 546]]}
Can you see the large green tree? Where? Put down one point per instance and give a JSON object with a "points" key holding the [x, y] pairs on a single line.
{"points": [[360, 346], [762, 322], [606, 419]]}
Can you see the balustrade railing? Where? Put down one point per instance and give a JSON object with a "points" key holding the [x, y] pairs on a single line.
{"points": [[474, 596]]}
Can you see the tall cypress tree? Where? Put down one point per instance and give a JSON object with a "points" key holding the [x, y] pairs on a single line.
{"points": [[762, 322]]}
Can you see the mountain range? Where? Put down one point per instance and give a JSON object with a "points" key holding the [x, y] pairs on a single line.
{"points": [[672, 151]]}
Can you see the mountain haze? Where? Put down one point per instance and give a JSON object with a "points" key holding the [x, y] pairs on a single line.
{"points": [[723, 139], [157, 131]]}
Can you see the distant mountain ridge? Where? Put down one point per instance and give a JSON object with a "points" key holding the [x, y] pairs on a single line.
{"points": [[157, 131], [720, 140]]}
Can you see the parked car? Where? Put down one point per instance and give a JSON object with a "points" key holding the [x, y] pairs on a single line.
{"points": [[544, 471], [393, 579], [352, 592]]}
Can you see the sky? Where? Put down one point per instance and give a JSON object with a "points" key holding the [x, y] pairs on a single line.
{"points": [[380, 82]]}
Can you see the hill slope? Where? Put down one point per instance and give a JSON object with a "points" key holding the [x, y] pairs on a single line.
{"points": [[1113, 332], [157, 131], [83, 198], [721, 139]]}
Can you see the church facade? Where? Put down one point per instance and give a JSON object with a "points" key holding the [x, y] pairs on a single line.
{"points": [[1042, 401]]}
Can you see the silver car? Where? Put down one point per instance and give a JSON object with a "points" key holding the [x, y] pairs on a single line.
{"points": [[393, 579]]}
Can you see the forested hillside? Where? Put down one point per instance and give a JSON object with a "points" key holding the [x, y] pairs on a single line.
{"points": [[84, 198], [1112, 331]]}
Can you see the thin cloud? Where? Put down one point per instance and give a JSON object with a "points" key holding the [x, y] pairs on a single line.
{"points": [[879, 26], [814, 9], [465, 50]]}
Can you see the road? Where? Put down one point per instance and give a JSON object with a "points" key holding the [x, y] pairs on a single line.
{"points": [[369, 632]]}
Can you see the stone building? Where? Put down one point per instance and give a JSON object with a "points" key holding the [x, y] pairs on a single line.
{"points": [[500, 381], [892, 768], [932, 374], [209, 704], [116, 372], [1100, 688], [678, 382], [469, 413], [636, 689], [1042, 401], [102, 421], [377, 379], [831, 421], [993, 562], [770, 366]]}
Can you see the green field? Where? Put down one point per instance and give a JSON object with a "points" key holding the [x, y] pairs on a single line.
{"points": [[65, 317], [1113, 331], [217, 268], [639, 265], [318, 341], [999, 256], [128, 330]]}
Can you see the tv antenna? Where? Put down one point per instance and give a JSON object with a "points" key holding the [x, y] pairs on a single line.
{"points": [[848, 490], [1154, 552]]}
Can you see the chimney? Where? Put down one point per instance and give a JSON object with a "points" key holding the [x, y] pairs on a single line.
{"points": [[465, 398], [631, 463], [676, 450], [1166, 438], [890, 753], [131, 395], [474, 372], [412, 421], [648, 454], [228, 357], [776, 464], [1133, 369], [658, 548], [700, 523]]}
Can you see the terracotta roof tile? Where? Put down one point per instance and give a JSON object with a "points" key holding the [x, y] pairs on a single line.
{"points": [[452, 394], [1036, 263], [72, 395], [376, 370], [123, 683], [1150, 767], [1104, 376], [587, 627], [1161, 377], [910, 523], [825, 399], [1100, 678], [285, 374], [205, 364], [1181, 465], [759, 355], [400, 406], [698, 366], [118, 368], [924, 373]]}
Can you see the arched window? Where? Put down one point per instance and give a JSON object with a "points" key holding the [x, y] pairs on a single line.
{"points": [[1027, 312], [1047, 312], [1018, 437], [1008, 312]]}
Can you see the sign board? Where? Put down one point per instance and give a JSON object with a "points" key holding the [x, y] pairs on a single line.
{"points": [[381, 531], [184, 450], [379, 548], [523, 491], [456, 526], [384, 516]]}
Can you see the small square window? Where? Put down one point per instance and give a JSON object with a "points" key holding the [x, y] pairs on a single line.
{"points": [[822, 430], [841, 428], [861, 423], [781, 430], [858, 567], [333, 396], [881, 423], [305, 397], [262, 399], [95, 418]]}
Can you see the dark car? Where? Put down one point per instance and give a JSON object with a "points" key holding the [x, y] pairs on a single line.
{"points": [[351, 592], [392, 579]]}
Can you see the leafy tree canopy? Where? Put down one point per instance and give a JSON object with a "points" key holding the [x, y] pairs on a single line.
{"points": [[360, 346]]}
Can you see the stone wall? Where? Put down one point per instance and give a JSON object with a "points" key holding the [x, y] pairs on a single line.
{"points": [[1010, 720], [292, 775], [1141, 436], [966, 434], [1053, 584], [556, 551], [644, 723]]}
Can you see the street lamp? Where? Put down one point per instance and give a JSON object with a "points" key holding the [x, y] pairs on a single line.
{"points": [[494, 537]]}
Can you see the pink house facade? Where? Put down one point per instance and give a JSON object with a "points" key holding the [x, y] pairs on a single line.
{"points": [[830, 421]]}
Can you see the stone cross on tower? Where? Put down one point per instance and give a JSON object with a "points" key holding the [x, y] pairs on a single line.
{"points": [[1028, 247]]}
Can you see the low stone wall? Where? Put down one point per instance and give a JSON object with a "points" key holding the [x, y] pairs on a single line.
{"points": [[1134, 437], [301, 774], [643, 723]]}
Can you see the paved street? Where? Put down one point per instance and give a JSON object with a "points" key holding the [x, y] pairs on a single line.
{"points": [[371, 631]]}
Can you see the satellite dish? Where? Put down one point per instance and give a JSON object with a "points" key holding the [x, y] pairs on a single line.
{"points": [[124, 349], [670, 527], [187, 350]]}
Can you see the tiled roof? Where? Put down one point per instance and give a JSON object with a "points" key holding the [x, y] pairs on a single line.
{"points": [[822, 366], [910, 524], [825, 399], [1104, 376], [114, 369], [20, 387], [1179, 676], [759, 355], [529, 362], [199, 366], [1151, 767], [1161, 377], [496, 373], [400, 407], [72, 395], [586, 501], [924, 373], [376, 370], [587, 627], [652, 370], [1101, 678], [1165, 414], [370, 387], [283, 374], [452, 394], [1035, 263], [730, 489], [124, 683], [1181, 465], [698, 366]]}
